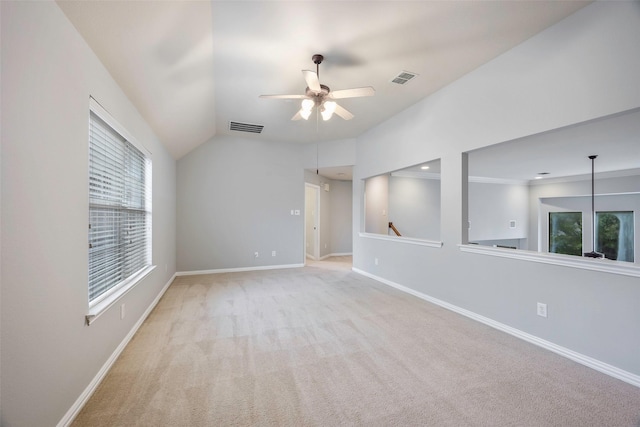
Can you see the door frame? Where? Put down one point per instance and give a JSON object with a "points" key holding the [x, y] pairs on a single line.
{"points": [[316, 250]]}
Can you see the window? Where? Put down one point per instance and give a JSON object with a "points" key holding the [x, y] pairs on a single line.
{"points": [[614, 235], [119, 208], [565, 233]]}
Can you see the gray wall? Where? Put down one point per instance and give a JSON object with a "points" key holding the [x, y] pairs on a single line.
{"points": [[493, 206], [49, 356], [583, 68], [414, 207], [376, 209], [235, 197], [340, 233]]}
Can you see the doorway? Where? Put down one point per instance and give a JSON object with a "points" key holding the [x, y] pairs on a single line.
{"points": [[312, 221]]}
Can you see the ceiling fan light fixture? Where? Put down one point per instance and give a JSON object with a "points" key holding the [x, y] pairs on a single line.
{"points": [[327, 110], [307, 105], [330, 106], [320, 96], [305, 113]]}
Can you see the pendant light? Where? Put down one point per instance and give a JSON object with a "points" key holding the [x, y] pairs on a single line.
{"points": [[593, 253]]}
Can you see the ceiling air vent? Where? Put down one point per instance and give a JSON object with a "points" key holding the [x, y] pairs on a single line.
{"points": [[245, 127], [403, 77]]}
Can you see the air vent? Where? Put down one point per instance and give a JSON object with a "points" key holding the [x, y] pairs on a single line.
{"points": [[403, 77], [245, 127]]}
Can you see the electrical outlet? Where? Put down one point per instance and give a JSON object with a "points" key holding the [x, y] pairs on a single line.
{"points": [[273, 253], [542, 309], [122, 312], [375, 261], [256, 254]]}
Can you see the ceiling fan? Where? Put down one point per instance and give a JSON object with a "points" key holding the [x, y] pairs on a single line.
{"points": [[320, 96]]}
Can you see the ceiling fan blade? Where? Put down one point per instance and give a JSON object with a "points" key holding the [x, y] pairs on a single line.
{"points": [[297, 116], [284, 96], [312, 80], [352, 93], [344, 113]]}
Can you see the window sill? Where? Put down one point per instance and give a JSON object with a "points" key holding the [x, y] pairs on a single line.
{"points": [[603, 265], [401, 239], [103, 305]]}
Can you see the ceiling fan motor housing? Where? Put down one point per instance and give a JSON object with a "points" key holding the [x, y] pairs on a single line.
{"points": [[318, 97]]}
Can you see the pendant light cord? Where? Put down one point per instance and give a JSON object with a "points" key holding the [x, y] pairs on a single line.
{"points": [[593, 253], [593, 202]]}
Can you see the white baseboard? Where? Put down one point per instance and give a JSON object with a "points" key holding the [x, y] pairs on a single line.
{"points": [[336, 254], [239, 269], [93, 385], [590, 362]]}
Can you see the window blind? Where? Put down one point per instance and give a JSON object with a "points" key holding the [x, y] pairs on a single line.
{"points": [[119, 210]]}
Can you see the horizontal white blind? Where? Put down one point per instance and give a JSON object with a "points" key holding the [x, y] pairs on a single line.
{"points": [[119, 210]]}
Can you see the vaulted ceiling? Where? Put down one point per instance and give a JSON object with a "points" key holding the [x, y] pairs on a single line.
{"points": [[191, 67]]}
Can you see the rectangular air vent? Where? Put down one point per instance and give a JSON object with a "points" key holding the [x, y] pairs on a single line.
{"points": [[403, 77], [245, 127]]}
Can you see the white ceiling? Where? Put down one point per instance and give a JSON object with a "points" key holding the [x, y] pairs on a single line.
{"points": [[190, 67], [565, 152]]}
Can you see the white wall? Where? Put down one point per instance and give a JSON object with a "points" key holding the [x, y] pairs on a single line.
{"points": [[235, 197], [583, 68], [49, 356]]}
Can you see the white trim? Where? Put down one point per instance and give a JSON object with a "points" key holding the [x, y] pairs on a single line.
{"points": [[503, 181], [101, 112], [602, 265], [586, 177], [416, 175], [336, 254], [71, 414], [96, 309], [590, 362], [402, 239], [239, 269]]}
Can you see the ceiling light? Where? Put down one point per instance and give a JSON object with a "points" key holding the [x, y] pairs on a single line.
{"points": [[307, 104], [305, 114], [424, 168], [328, 107], [541, 175]]}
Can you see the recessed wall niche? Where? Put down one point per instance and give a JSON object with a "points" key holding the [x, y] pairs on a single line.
{"points": [[404, 203], [543, 183]]}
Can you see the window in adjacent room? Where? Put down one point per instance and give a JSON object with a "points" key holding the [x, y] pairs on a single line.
{"points": [[119, 209], [614, 235], [565, 233]]}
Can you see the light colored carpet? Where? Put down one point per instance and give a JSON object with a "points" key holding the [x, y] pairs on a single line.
{"points": [[324, 347]]}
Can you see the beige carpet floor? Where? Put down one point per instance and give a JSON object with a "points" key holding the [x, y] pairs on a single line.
{"points": [[319, 346]]}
